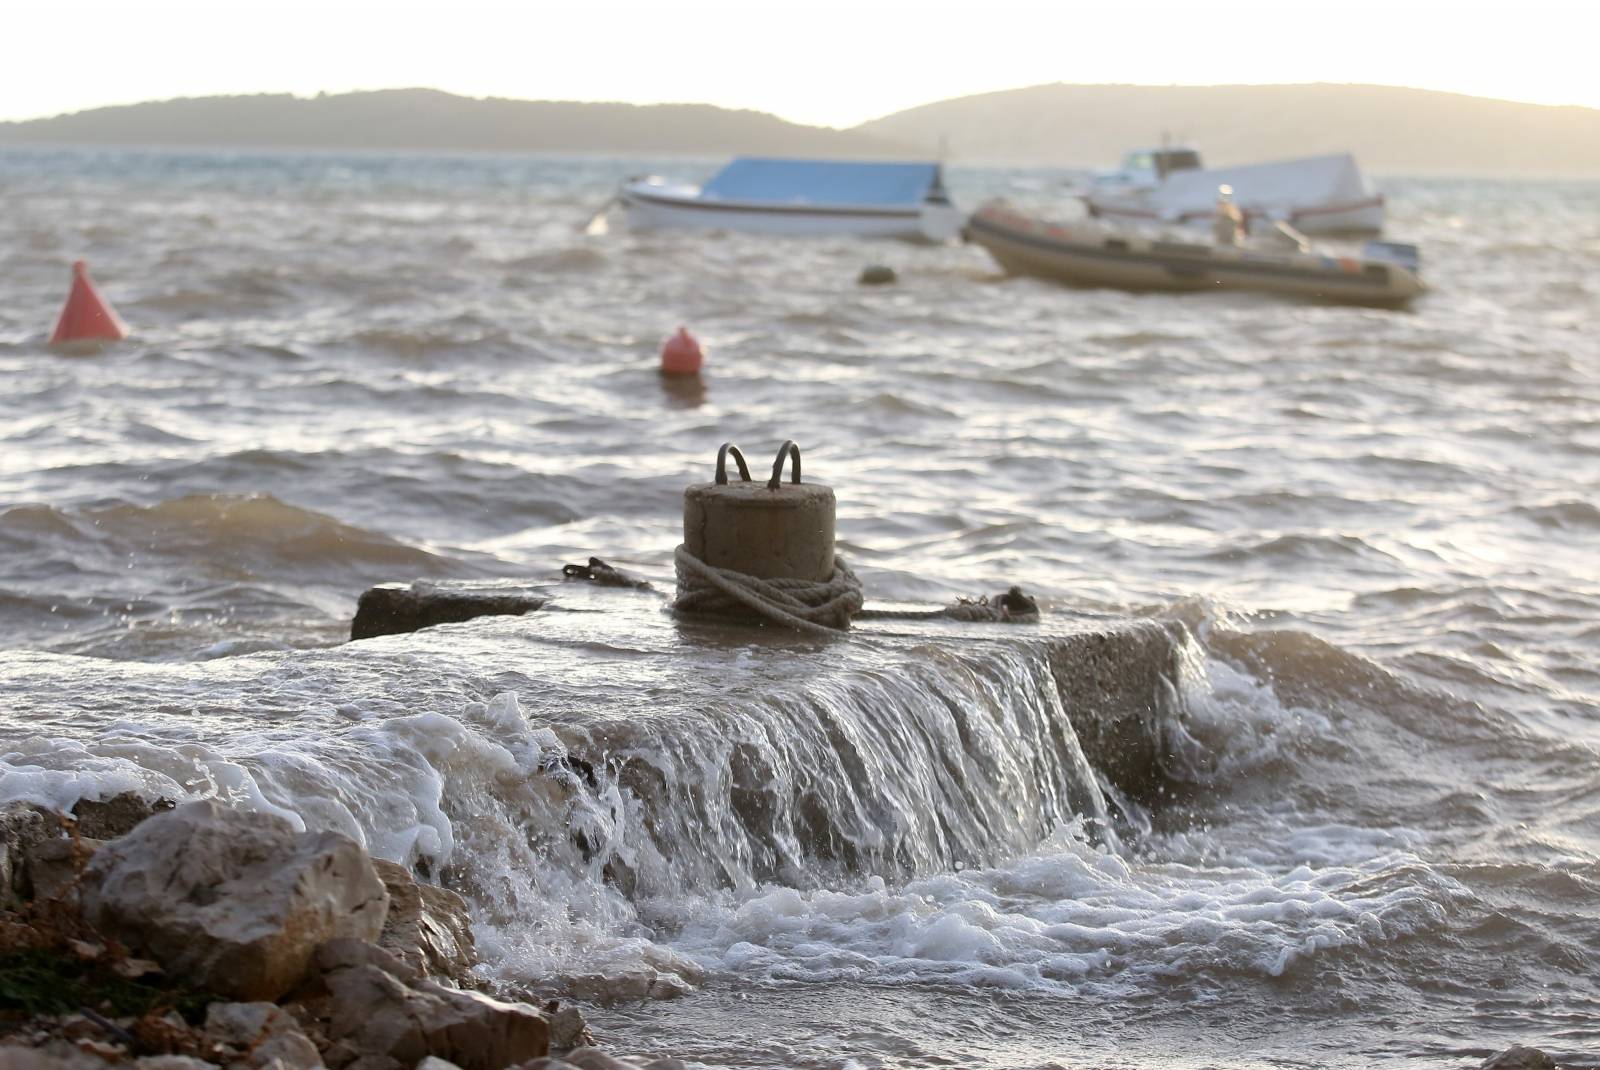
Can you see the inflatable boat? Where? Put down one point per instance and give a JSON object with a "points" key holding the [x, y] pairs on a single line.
{"points": [[1093, 254]]}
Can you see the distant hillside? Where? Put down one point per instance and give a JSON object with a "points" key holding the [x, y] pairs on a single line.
{"points": [[1412, 131], [1391, 130], [425, 119]]}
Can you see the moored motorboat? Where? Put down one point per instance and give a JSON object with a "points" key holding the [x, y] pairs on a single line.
{"points": [[1316, 194], [1090, 253], [761, 195]]}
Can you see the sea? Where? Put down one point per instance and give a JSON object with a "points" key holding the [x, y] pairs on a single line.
{"points": [[1373, 537]]}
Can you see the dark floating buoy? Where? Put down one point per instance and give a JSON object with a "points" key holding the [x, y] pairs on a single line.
{"points": [[877, 275]]}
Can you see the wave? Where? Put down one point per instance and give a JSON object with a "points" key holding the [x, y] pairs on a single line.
{"points": [[1568, 515], [1300, 547], [174, 578], [956, 818], [573, 258], [955, 807], [240, 536]]}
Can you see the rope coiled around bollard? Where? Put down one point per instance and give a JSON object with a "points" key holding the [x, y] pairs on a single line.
{"points": [[821, 608]]}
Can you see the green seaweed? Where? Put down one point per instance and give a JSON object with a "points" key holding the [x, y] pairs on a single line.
{"points": [[38, 981]]}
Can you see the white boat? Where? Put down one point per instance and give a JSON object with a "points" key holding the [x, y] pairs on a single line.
{"points": [[1091, 253], [760, 195], [1314, 194], [1145, 169]]}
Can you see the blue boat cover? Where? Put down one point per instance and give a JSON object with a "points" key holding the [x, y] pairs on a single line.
{"points": [[766, 180]]}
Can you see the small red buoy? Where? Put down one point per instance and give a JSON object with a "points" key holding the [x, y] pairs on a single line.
{"points": [[86, 316], [681, 355]]}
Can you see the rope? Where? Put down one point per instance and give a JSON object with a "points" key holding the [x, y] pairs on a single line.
{"points": [[823, 608], [1013, 607]]}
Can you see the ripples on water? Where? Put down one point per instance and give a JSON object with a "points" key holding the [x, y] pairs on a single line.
{"points": [[1378, 528]]}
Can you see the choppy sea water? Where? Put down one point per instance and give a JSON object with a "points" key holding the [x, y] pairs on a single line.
{"points": [[1374, 531]]}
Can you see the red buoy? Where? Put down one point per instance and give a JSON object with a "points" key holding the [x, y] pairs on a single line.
{"points": [[86, 316], [681, 355]]}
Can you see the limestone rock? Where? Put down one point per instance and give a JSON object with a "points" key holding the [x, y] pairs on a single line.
{"points": [[428, 928], [265, 1032], [16, 1057], [235, 902], [595, 1059], [567, 1026], [23, 827], [55, 866], [1519, 1058], [173, 1062], [377, 1014], [107, 819], [634, 984], [433, 1062], [347, 954], [392, 608]]}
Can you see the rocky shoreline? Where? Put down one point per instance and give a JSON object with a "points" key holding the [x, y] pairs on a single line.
{"points": [[198, 936]]}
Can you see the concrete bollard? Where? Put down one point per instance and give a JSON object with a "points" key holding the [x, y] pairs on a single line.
{"points": [[771, 530]]}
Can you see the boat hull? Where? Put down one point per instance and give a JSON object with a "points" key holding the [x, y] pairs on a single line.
{"points": [[1084, 256], [652, 206]]}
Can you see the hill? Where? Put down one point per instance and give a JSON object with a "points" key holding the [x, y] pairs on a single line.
{"points": [[1412, 131], [429, 120]]}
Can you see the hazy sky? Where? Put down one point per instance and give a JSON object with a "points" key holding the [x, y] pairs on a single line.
{"points": [[824, 62]]}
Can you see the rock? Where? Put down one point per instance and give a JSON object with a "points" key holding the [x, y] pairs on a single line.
{"points": [[877, 275], [377, 1062], [567, 1026], [347, 954], [595, 1059], [666, 1064], [109, 819], [428, 928], [55, 866], [265, 1032], [23, 827], [635, 984], [379, 1015], [57, 1057], [1518, 1058], [393, 608], [433, 1062], [233, 902], [173, 1062]]}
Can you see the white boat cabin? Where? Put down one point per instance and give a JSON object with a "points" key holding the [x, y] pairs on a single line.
{"points": [[1148, 168]]}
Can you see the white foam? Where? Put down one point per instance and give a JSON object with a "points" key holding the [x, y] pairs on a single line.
{"points": [[1067, 917], [497, 800], [1231, 723]]}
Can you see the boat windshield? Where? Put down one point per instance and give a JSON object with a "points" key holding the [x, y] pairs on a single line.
{"points": [[1172, 160]]}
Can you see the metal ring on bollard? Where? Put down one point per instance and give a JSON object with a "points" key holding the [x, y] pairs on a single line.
{"points": [[777, 466], [738, 458]]}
